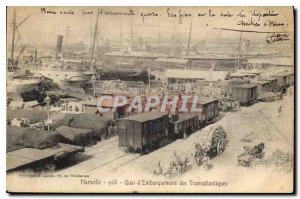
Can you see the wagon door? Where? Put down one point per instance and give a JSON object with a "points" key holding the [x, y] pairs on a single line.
{"points": [[137, 135], [122, 132], [129, 133], [244, 94]]}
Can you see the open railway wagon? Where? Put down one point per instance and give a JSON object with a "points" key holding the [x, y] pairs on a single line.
{"points": [[181, 125], [30, 144], [213, 141], [143, 132], [29, 159]]}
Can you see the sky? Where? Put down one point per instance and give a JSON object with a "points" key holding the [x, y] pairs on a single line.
{"points": [[41, 28]]}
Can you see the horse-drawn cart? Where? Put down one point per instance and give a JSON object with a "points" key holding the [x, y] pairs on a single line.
{"points": [[210, 143]]}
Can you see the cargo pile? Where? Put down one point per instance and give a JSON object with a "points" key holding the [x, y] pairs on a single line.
{"points": [[75, 136], [95, 123], [33, 115], [18, 138], [281, 160]]}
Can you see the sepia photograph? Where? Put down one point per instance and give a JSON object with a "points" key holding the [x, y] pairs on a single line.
{"points": [[150, 99]]}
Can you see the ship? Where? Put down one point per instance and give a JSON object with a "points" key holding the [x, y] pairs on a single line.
{"points": [[21, 83], [18, 82], [60, 72], [63, 78]]}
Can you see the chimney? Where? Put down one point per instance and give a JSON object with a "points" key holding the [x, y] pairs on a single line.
{"points": [[59, 45]]}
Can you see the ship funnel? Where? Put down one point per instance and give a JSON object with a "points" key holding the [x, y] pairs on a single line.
{"points": [[59, 45]]}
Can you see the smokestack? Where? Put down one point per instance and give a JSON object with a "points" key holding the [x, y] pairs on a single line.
{"points": [[59, 45]]}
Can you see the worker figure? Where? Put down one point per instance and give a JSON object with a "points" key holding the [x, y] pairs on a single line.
{"points": [[280, 95], [111, 130], [184, 134], [279, 111], [206, 159], [198, 154], [115, 129], [177, 163], [290, 91], [158, 169], [238, 105]]}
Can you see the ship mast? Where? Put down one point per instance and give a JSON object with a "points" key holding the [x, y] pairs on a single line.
{"points": [[15, 26], [189, 42], [94, 40], [239, 50], [13, 40], [131, 32]]}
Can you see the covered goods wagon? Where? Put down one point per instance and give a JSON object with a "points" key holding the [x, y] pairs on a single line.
{"points": [[143, 132]]}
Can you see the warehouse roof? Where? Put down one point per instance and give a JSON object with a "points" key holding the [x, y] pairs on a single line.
{"points": [[146, 116], [211, 57], [135, 54], [283, 74], [259, 82], [196, 74], [244, 86], [172, 60], [270, 79], [283, 61]]}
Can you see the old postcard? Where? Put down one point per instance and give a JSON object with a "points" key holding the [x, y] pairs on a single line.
{"points": [[150, 99]]}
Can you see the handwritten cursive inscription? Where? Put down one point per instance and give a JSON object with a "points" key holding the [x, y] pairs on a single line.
{"points": [[277, 37]]}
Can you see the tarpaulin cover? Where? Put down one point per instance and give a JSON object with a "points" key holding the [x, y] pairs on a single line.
{"points": [[18, 138], [92, 122], [75, 136]]}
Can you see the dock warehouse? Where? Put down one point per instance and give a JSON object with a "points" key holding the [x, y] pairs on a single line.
{"points": [[173, 63], [221, 62], [191, 76], [142, 59]]}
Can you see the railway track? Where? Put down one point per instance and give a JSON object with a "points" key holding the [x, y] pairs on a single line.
{"points": [[115, 163], [115, 140], [127, 162]]}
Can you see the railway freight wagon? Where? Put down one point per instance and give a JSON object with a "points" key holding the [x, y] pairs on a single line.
{"points": [[284, 80], [244, 93], [235, 82], [143, 132], [209, 110], [181, 125]]}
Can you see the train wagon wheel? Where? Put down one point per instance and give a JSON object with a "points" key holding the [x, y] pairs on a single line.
{"points": [[220, 146]]}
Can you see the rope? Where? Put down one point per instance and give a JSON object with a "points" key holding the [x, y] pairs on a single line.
{"points": [[266, 127], [276, 129]]}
